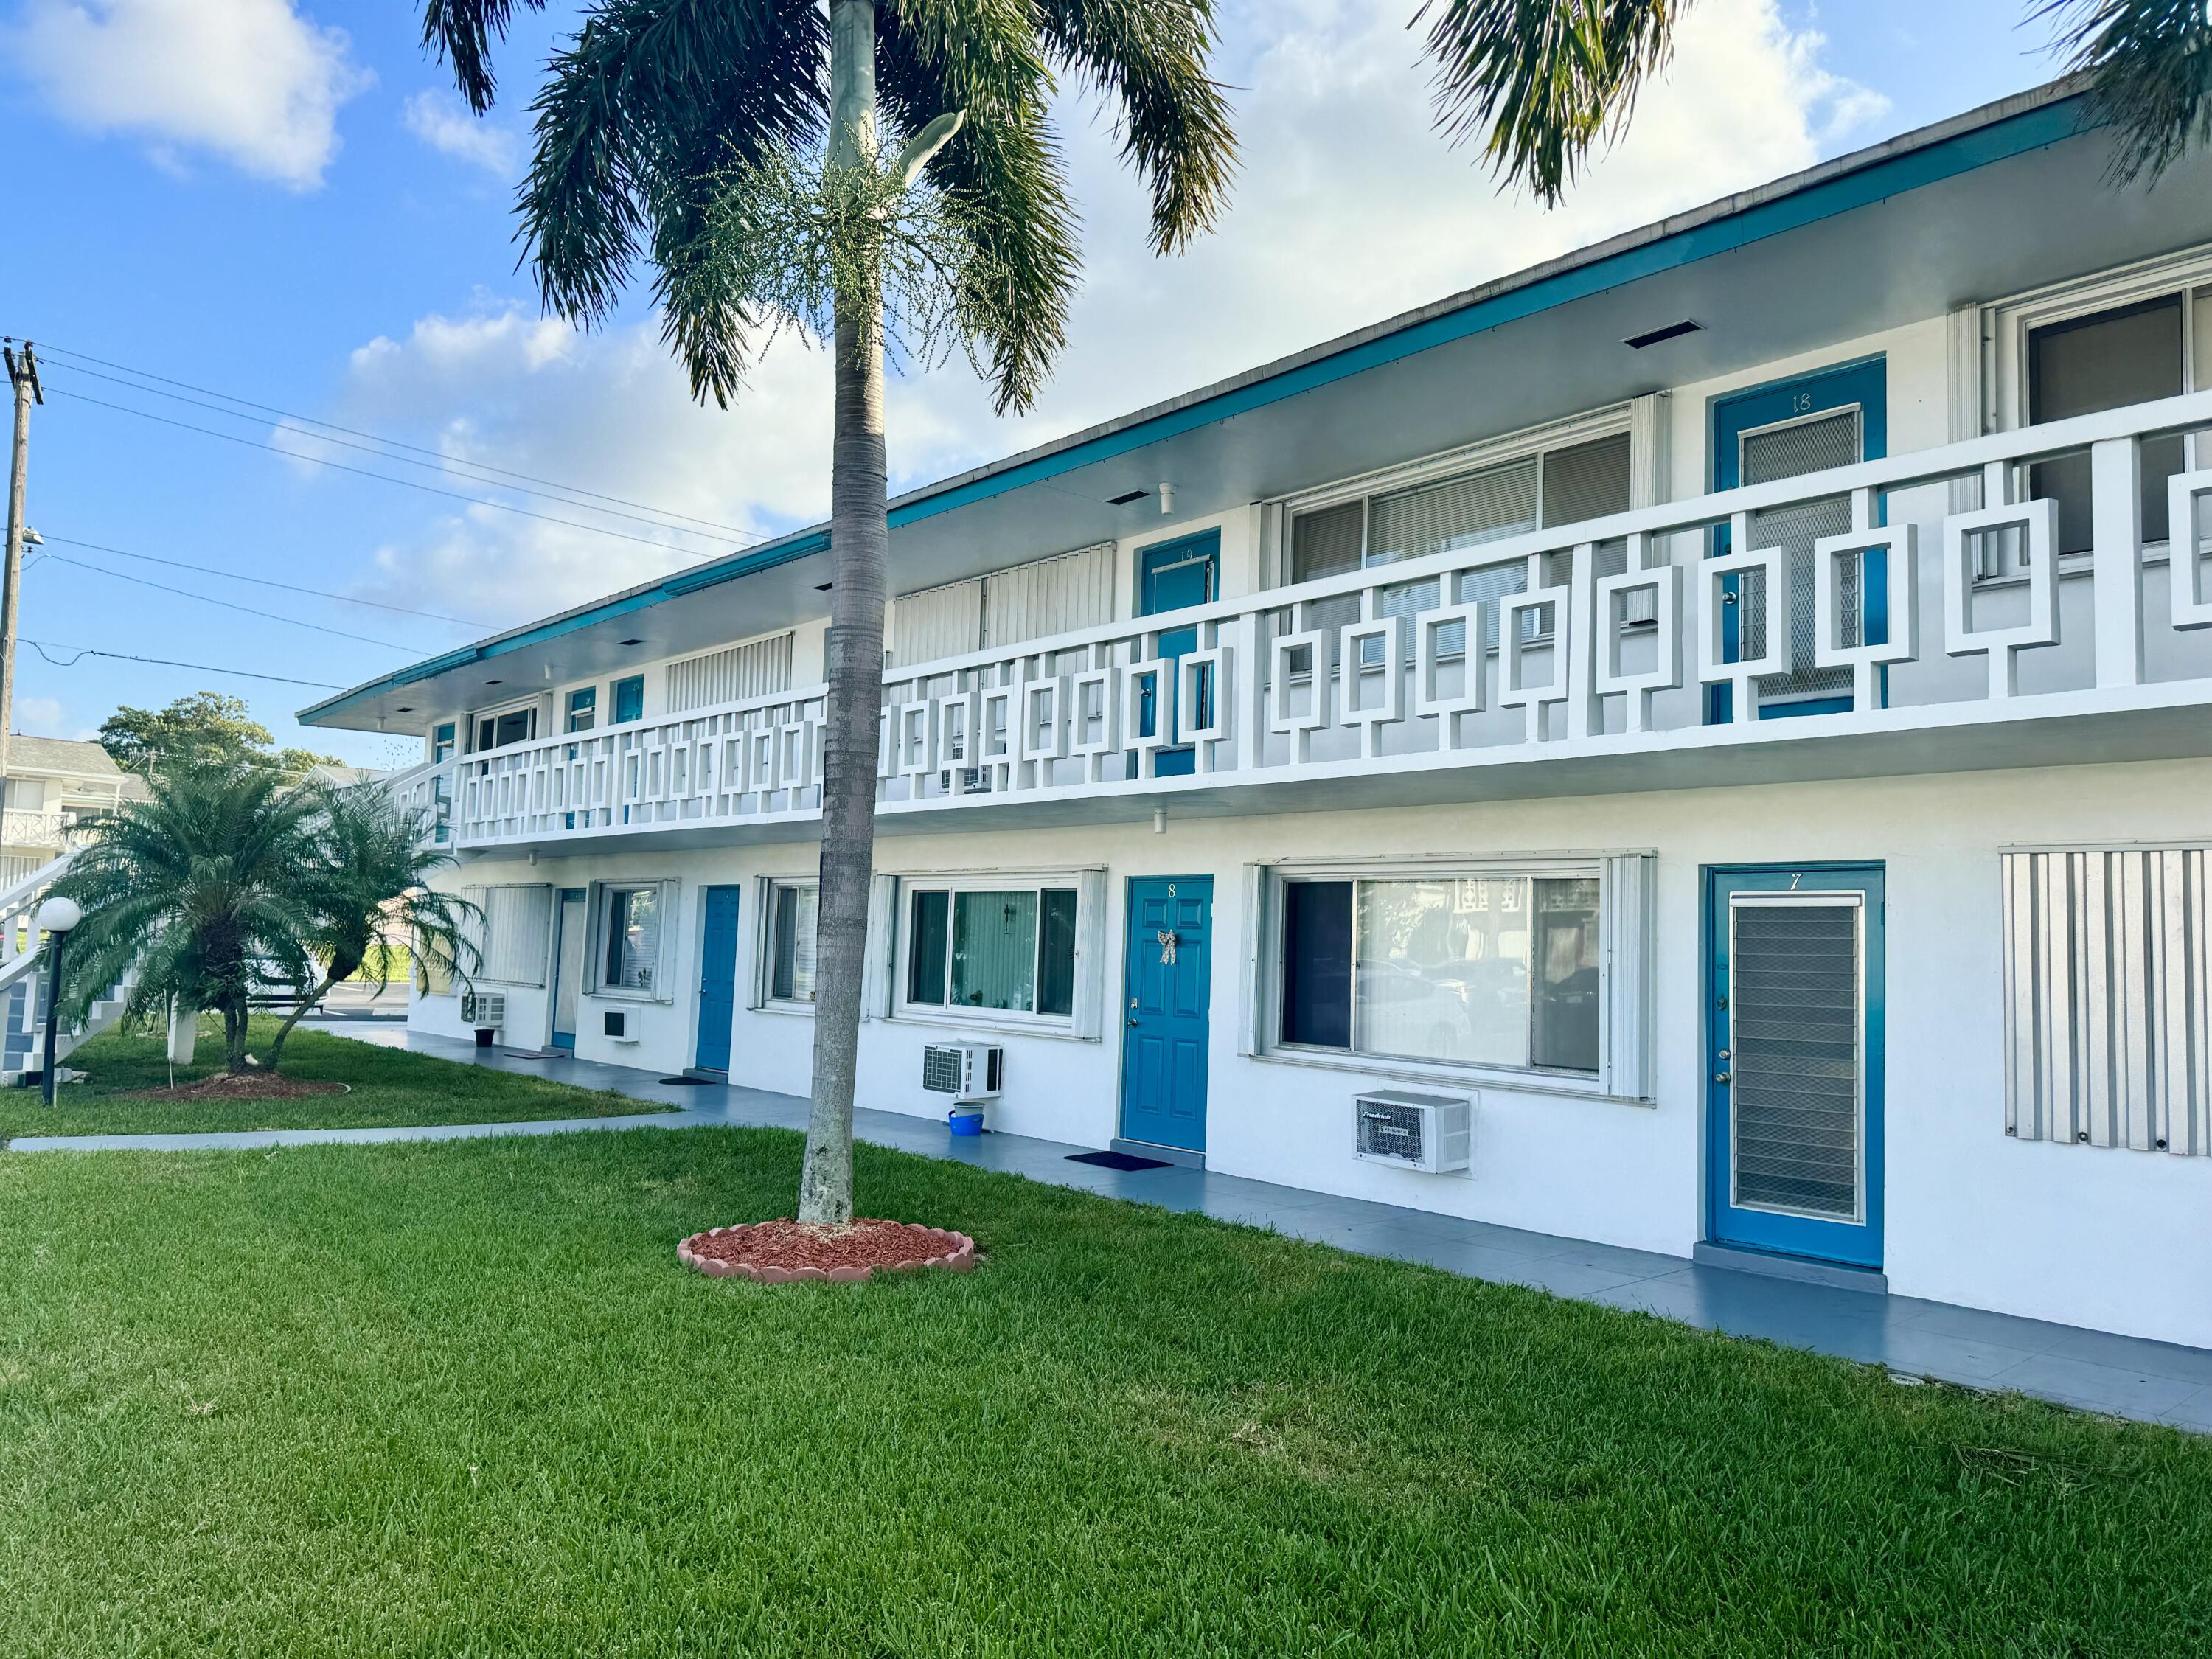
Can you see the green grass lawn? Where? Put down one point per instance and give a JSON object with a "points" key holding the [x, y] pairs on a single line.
{"points": [[436, 1399], [388, 1086]]}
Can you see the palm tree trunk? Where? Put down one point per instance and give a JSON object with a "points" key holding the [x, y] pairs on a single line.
{"points": [[276, 1042], [859, 547], [233, 1038]]}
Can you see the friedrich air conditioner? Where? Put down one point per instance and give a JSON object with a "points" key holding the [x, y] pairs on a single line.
{"points": [[968, 1072], [1433, 1133], [484, 1009]]}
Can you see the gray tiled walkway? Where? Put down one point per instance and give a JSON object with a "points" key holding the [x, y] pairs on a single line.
{"points": [[2125, 1376]]}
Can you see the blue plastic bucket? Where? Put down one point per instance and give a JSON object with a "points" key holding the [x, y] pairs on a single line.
{"points": [[965, 1123]]}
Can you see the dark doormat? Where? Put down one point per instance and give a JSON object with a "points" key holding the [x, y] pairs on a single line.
{"points": [[1118, 1161], [692, 1082]]}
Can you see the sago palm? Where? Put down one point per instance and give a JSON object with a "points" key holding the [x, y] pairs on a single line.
{"points": [[1542, 82], [372, 896], [740, 147], [209, 888]]}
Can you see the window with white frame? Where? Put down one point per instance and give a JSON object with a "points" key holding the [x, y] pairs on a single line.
{"points": [[1507, 488], [633, 918], [991, 947], [2125, 336], [789, 958], [1505, 966]]}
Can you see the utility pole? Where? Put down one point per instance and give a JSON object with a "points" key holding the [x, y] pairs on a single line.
{"points": [[24, 378]]}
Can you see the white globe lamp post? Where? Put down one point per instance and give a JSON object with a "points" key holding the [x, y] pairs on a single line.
{"points": [[56, 917]]}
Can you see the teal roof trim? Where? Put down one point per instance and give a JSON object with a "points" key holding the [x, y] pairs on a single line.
{"points": [[1883, 176]]}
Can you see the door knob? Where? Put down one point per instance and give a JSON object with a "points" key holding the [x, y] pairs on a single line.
{"points": [[1718, 1077], [1133, 1022]]}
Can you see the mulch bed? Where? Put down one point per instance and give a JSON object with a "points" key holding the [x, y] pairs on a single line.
{"points": [[251, 1085], [784, 1252]]}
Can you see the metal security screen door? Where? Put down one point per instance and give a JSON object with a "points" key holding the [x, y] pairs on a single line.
{"points": [[1796, 1049]]}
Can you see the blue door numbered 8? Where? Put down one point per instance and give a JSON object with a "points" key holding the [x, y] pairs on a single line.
{"points": [[1168, 987], [1794, 1050]]}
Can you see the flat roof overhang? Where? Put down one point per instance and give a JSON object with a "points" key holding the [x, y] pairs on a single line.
{"points": [[2004, 199]]}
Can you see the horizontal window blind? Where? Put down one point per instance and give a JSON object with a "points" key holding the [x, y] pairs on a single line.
{"points": [[515, 933], [2108, 1006], [1464, 512], [758, 668]]}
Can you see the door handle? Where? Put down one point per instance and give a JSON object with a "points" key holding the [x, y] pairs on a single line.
{"points": [[1721, 1077], [1133, 1022]]}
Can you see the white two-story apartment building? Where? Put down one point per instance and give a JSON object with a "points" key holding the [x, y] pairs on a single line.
{"points": [[1733, 706]]}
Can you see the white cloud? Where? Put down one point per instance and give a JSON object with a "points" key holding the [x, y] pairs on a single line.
{"points": [[1348, 208], [442, 121], [46, 717], [250, 81]]}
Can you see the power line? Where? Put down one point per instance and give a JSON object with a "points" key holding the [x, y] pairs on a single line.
{"points": [[396, 443], [265, 581], [43, 648], [445, 466], [385, 478], [209, 598]]}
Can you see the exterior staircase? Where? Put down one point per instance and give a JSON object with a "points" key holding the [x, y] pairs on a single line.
{"points": [[24, 988]]}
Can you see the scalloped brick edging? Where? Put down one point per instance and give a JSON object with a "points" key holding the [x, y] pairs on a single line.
{"points": [[956, 1253]]}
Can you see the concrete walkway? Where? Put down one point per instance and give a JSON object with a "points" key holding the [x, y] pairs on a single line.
{"points": [[2122, 1376]]}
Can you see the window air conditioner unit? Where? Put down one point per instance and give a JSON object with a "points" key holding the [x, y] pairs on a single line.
{"points": [[484, 1008], [968, 1072], [1433, 1133]]}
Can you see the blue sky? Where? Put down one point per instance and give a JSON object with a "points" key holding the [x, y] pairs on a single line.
{"points": [[278, 201]]}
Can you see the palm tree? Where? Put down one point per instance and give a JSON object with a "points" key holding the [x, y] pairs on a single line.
{"points": [[735, 144], [373, 866], [209, 887], [1547, 80]]}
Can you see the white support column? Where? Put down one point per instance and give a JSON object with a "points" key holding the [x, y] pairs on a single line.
{"points": [[2116, 561], [1579, 626]]}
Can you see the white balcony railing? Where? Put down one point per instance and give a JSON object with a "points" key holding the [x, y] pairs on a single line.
{"points": [[26, 827], [1646, 631]]}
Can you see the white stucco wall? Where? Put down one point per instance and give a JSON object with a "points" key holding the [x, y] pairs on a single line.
{"points": [[2111, 1239]]}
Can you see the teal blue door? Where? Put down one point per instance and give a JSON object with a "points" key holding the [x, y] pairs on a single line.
{"points": [[568, 930], [1173, 576], [1793, 1053], [1164, 1047], [1832, 417], [718, 977]]}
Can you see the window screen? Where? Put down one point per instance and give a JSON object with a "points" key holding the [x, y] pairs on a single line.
{"points": [[791, 978], [633, 940], [1328, 543], [2108, 361], [1455, 512], [1589, 481], [1004, 952], [1470, 969]]}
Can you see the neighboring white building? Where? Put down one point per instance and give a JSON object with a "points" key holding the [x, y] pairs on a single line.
{"points": [[1734, 705], [53, 785]]}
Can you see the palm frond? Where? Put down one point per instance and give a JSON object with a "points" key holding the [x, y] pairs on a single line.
{"points": [[652, 97], [1546, 80], [1003, 175], [1151, 58], [2150, 68], [460, 32]]}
